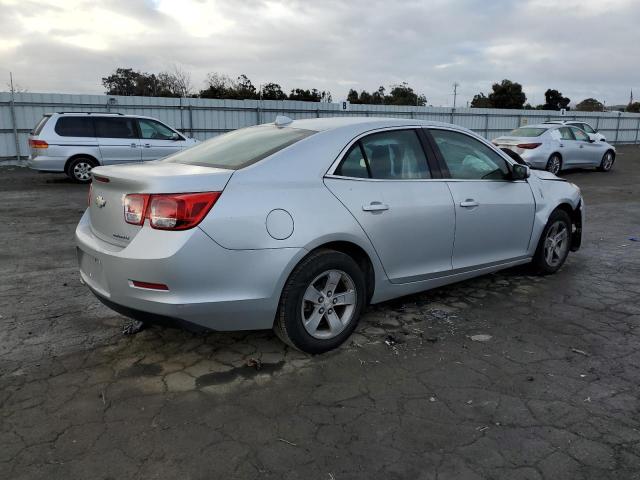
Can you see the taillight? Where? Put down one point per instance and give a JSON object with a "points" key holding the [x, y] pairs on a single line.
{"points": [[528, 146], [135, 206], [38, 143], [171, 211]]}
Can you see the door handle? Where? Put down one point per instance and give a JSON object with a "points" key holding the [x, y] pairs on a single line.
{"points": [[134, 145], [375, 207], [469, 203], [581, 146], [562, 145], [147, 145]]}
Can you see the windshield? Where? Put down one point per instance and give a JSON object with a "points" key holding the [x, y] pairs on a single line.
{"points": [[527, 132], [240, 148]]}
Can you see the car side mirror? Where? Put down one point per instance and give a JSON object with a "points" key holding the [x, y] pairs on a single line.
{"points": [[520, 172], [175, 137], [592, 138]]}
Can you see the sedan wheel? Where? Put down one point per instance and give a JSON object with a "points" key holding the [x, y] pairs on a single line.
{"points": [[554, 164], [607, 162], [328, 304], [554, 243], [321, 302]]}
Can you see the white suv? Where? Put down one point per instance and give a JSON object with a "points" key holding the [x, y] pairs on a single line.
{"points": [[74, 143]]}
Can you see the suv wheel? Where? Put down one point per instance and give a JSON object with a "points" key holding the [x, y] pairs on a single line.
{"points": [[79, 169], [554, 165], [321, 302]]}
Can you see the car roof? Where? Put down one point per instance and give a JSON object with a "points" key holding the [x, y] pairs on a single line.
{"points": [[97, 114], [364, 123]]}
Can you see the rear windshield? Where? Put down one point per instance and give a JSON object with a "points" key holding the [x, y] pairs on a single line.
{"points": [[527, 132], [38, 128], [240, 148]]}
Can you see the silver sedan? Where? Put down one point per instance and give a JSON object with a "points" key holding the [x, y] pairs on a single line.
{"points": [[555, 147], [299, 225]]}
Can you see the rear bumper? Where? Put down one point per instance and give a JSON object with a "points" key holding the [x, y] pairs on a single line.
{"points": [[209, 286], [44, 163]]}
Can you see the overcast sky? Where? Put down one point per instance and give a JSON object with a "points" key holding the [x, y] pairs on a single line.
{"points": [[584, 48]]}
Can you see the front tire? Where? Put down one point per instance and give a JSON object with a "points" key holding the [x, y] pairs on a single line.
{"points": [[607, 161], [554, 164], [555, 242], [321, 302], [79, 170]]}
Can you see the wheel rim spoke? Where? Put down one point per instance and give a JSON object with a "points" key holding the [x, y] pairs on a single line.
{"points": [[313, 295], [332, 281], [347, 298], [335, 324], [312, 323]]}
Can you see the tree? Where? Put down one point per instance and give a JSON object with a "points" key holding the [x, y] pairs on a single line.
{"points": [[126, 81], [403, 94], [555, 101], [590, 105], [218, 86], [507, 94], [122, 82], [352, 96], [480, 101], [303, 95], [243, 89], [273, 91], [633, 107]]}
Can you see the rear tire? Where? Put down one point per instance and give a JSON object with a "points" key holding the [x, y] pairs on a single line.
{"points": [[607, 161], [321, 302], [554, 244], [79, 169], [554, 164]]}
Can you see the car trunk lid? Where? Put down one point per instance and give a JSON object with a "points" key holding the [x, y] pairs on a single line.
{"points": [[112, 184]]}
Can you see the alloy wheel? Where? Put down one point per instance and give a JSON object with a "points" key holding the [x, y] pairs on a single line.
{"points": [[329, 304], [607, 161], [556, 243], [82, 171], [554, 165]]}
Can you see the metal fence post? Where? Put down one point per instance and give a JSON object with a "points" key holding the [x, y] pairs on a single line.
{"points": [[190, 120], [453, 114], [16, 138], [618, 127], [597, 122], [486, 125], [637, 130]]}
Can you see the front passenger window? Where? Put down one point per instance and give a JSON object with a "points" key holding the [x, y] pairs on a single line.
{"points": [[155, 130], [468, 158]]}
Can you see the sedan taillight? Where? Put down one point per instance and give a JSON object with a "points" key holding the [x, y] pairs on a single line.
{"points": [[528, 146], [171, 211]]}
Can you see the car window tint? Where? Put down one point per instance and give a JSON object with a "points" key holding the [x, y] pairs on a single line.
{"points": [[468, 158], [565, 133], [354, 164], [152, 130], [395, 155], [579, 134], [107, 127], [240, 148], [74, 127]]}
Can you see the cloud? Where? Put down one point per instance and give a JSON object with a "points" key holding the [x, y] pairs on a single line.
{"points": [[583, 48]]}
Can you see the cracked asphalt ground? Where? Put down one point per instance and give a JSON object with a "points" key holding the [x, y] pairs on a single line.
{"points": [[553, 394]]}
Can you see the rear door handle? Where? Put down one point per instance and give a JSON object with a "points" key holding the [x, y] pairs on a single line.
{"points": [[147, 145], [562, 144], [469, 203], [134, 145], [375, 207]]}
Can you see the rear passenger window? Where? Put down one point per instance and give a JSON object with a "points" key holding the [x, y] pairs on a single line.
{"points": [[565, 133], [75, 127], [354, 164], [391, 155], [107, 127]]}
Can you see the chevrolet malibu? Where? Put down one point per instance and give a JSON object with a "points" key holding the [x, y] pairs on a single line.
{"points": [[298, 225]]}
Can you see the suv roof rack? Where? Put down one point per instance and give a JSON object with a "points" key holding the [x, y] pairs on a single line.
{"points": [[95, 113]]}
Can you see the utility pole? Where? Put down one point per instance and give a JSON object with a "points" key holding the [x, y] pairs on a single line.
{"points": [[12, 107], [455, 93]]}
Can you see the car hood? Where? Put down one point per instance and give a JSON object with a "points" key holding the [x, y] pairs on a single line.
{"points": [[544, 175]]}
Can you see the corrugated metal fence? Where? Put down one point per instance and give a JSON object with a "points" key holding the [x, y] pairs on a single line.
{"points": [[204, 118]]}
